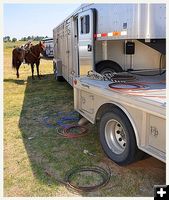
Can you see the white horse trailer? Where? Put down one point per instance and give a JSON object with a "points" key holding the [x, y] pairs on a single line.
{"points": [[118, 38], [109, 37]]}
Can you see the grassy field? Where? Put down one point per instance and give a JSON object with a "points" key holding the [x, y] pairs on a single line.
{"points": [[35, 156]]}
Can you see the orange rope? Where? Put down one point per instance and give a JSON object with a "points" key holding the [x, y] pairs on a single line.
{"points": [[140, 86]]}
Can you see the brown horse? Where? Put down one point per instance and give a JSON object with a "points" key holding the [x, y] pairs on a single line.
{"points": [[31, 56]]}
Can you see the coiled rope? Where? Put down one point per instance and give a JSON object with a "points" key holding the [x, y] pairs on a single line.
{"points": [[73, 131], [64, 123], [104, 175], [113, 77], [75, 172], [127, 86], [134, 88], [60, 119]]}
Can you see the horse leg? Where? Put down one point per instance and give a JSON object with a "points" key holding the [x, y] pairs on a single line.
{"points": [[17, 69], [32, 67], [37, 67], [17, 72]]}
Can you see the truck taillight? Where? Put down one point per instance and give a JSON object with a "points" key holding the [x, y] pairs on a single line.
{"points": [[75, 82]]}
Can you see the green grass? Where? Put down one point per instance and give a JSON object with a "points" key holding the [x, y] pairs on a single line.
{"points": [[35, 156]]}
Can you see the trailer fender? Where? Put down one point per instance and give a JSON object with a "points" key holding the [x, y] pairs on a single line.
{"points": [[110, 106]]}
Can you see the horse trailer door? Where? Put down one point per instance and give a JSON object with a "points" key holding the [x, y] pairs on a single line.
{"points": [[86, 48]]}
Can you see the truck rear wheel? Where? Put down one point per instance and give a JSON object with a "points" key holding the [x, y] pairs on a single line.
{"points": [[117, 138], [108, 66]]}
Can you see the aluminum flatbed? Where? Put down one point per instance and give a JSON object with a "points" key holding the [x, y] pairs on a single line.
{"points": [[144, 105]]}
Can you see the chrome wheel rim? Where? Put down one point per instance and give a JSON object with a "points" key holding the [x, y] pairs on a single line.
{"points": [[115, 136]]}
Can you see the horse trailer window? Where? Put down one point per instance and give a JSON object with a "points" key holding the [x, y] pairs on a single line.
{"points": [[82, 24], [85, 24]]}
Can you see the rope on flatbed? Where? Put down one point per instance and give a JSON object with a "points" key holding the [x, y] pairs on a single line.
{"points": [[113, 77]]}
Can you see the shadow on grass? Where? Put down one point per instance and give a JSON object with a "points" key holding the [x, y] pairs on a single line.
{"points": [[19, 82], [51, 156]]}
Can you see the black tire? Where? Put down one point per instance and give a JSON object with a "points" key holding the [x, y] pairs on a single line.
{"points": [[60, 79], [115, 148], [108, 66]]}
